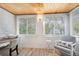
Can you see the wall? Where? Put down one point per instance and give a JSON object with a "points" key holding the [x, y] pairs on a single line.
{"points": [[40, 40], [7, 22]]}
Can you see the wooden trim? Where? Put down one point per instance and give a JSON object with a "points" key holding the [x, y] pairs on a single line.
{"points": [[7, 10], [56, 13], [74, 8], [43, 13], [26, 14]]}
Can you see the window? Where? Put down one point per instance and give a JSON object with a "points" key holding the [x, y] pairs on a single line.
{"points": [[74, 22], [59, 26], [22, 26], [54, 25], [75, 25], [31, 26], [27, 25], [49, 25]]}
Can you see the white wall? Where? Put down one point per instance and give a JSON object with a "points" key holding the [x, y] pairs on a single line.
{"points": [[7, 22], [40, 40]]}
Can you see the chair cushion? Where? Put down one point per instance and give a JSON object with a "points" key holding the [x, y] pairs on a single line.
{"points": [[12, 36], [68, 39], [3, 36], [3, 44], [64, 44]]}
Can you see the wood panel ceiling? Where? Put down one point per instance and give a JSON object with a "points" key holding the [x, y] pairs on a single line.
{"points": [[38, 8]]}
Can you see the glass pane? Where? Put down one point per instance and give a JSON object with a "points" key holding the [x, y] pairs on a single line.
{"points": [[22, 26], [49, 25], [31, 25], [76, 26], [59, 25]]}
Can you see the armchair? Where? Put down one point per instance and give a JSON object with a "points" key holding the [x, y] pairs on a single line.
{"points": [[66, 45], [8, 45]]}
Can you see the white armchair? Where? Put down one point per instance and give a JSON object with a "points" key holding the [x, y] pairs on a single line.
{"points": [[76, 49], [8, 45], [66, 45]]}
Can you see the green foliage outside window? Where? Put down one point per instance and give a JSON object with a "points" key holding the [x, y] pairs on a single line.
{"points": [[49, 28], [31, 29], [54, 27], [76, 26], [27, 26]]}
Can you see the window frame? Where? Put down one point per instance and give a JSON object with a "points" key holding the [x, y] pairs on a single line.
{"points": [[72, 14], [71, 25], [25, 16], [43, 22], [58, 15]]}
